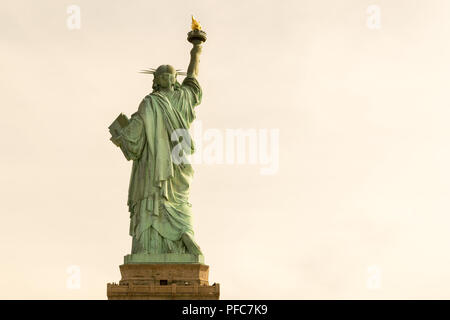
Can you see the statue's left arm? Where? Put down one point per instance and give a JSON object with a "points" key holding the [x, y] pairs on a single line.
{"points": [[131, 139]]}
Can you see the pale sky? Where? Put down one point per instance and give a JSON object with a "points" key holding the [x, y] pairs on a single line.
{"points": [[359, 207]]}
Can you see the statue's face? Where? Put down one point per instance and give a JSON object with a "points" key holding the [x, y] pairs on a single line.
{"points": [[166, 79]]}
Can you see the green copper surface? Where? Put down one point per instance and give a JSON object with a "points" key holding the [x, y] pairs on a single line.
{"points": [[158, 195]]}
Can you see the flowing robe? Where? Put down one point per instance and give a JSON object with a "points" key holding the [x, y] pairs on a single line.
{"points": [[158, 193]]}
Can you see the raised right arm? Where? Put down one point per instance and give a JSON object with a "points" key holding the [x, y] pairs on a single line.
{"points": [[195, 59]]}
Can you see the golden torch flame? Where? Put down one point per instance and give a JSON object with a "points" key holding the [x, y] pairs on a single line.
{"points": [[195, 24]]}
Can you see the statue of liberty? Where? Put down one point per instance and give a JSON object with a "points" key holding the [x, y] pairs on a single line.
{"points": [[158, 195]]}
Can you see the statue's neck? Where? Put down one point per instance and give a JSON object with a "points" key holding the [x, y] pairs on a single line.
{"points": [[166, 90]]}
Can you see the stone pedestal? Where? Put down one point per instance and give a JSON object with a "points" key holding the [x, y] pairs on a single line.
{"points": [[142, 280]]}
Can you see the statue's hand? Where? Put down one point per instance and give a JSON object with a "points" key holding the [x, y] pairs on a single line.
{"points": [[116, 140]]}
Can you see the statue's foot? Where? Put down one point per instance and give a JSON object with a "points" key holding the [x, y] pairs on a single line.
{"points": [[190, 244]]}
